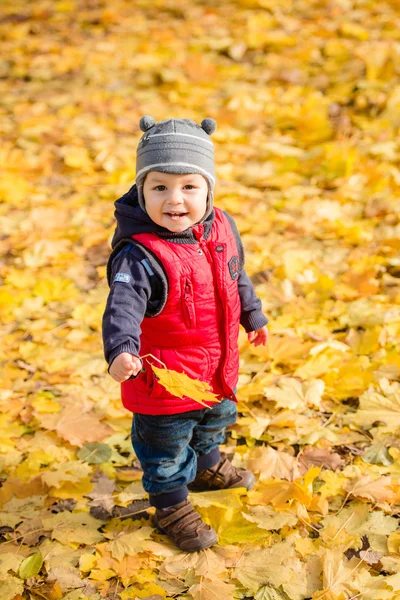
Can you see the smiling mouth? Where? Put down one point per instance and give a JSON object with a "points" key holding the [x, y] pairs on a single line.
{"points": [[176, 215]]}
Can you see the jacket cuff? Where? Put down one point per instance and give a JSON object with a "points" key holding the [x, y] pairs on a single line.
{"points": [[253, 320], [125, 347]]}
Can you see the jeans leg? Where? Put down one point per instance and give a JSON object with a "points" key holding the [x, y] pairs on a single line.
{"points": [[162, 445], [209, 433]]}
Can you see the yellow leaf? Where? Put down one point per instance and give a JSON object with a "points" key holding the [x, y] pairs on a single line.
{"points": [[77, 157], [376, 491], [129, 543], [269, 518], [231, 527], [334, 484], [180, 385], [273, 464], [78, 528], [211, 590], [379, 406], [294, 394], [10, 587], [69, 471], [277, 566], [87, 562], [221, 498], [278, 493], [75, 490], [102, 574], [55, 289]]}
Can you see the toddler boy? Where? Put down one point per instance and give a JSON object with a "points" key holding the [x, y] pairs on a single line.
{"points": [[178, 291]]}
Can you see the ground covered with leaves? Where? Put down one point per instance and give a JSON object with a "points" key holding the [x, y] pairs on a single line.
{"points": [[306, 95]]}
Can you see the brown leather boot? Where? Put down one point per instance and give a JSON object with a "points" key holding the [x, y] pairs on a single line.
{"points": [[221, 477], [184, 526]]}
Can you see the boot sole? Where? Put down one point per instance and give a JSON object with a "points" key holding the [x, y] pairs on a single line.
{"points": [[200, 547]]}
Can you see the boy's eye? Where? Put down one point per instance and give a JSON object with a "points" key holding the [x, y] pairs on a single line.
{"points": [[188, 185]]}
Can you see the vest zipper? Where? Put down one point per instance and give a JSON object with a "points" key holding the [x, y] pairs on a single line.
{"points": [[210, 259], [188, 304]]}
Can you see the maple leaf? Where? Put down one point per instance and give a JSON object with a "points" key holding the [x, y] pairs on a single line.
{"points": [[69, 471], [268, 518], [101, 495], [211, 590], [277, 566], [338, 572], [230, 526], [273, 464], [73, 528], [229, 498], [320, 457], [181, 385], [129, 543], [376, 406], [75, 426], [279, 492], [68, 578], [10, 587], [376, 491], [203, 563], [56, 554], [294, 394]]}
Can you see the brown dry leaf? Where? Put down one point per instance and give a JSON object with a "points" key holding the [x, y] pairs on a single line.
{"points": [[68, 578], [320, 457], [102, 493]]}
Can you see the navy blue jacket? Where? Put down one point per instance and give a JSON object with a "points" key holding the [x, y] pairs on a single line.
{"points": [[138, 284]]}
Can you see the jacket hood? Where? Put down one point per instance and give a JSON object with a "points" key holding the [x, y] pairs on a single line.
{"points": [[131, 220]]}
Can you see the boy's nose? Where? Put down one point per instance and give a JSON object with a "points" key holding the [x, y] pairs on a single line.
{"points": [[175, 197]]}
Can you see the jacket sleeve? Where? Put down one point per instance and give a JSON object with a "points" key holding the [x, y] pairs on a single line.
{"points": [[251, 317], [130, 293]]}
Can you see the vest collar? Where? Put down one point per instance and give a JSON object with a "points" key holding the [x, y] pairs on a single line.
{"points": [[191, 235]]}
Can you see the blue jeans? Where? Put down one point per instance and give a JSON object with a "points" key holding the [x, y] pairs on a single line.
{"points": [[172, 448]]}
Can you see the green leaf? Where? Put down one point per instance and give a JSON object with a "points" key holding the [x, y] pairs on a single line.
{"points": [[30, 566], [94, 453]]}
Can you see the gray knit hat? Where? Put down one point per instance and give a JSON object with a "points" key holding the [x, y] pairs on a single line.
{"points": [[176, 146]]}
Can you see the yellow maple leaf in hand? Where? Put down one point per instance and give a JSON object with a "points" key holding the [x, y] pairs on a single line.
{"points": [[180, 385]]}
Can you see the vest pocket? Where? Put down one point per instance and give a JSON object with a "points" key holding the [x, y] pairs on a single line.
{"points": [[189, 313]]}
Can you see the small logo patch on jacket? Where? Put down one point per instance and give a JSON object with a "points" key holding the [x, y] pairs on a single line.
{"points": [[233, 265], [124, 277]]}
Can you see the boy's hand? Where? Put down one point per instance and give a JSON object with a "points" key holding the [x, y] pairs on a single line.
{"points": [[259, 336], [125, 365]]}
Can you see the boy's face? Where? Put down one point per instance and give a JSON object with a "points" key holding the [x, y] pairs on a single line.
{"points": [[175, 201]]}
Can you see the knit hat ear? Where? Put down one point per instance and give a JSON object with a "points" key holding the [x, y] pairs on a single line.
{"points": [[146, 123], [209, 125]]}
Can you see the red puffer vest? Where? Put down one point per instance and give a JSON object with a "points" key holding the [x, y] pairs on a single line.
{"points": [[197, 330]]}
